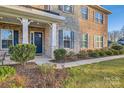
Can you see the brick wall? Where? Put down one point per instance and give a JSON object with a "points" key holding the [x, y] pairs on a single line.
{"points": [[76, 23], [45, 34]]}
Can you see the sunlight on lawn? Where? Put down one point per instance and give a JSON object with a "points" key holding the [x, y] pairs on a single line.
{"points": [[104, 74]]}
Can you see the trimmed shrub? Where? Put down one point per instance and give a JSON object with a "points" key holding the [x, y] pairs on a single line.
{"points": [[109, 52], [117, 47], [60, 54], [121, 51], [101, 53], [82, 54], [6, 71], [70, 54], [22, 52], [93, 53], [115, 52]]}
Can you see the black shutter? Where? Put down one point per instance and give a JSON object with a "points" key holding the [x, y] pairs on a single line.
{"points": [[72, 39], [60, 39], [16, 37]]}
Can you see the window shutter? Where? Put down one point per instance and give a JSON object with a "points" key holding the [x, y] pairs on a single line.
{"points": [[16, 37], [60, 7], [61, 39], [72, 39]]}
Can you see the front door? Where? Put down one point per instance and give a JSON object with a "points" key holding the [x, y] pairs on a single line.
{"points": [[38, 41]]}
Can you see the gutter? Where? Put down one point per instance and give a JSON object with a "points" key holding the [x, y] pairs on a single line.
{"points": [[28, 13]]}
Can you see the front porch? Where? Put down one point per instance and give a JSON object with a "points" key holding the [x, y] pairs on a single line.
{"points": [[24, 25]]}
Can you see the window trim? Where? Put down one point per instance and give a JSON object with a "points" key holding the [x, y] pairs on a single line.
{"points": [[66, 39], [33, 37], [71, 40], [67, 11], [99, 42], [98, 18], [1, 39], [87, 41], [85, 14]]}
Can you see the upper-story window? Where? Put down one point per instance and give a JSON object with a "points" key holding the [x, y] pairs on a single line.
{"points": [[47, 7], [66, 8], [84, 11], [99, 17]]}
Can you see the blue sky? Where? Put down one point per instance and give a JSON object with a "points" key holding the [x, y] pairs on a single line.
{"points": [[116, 19]]}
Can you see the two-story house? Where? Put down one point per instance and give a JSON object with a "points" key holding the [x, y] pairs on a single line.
{"points": [[73, 27]]}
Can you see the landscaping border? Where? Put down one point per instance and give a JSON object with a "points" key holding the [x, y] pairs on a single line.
{"points": [[86, 61]]}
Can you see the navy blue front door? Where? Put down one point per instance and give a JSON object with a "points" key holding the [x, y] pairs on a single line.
{"points": [[38, 41]]}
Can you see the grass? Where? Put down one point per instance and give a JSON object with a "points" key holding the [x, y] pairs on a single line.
{"points": [[108, 74]]}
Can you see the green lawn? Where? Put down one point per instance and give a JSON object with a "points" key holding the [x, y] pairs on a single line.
{"points": [[104, 74]]}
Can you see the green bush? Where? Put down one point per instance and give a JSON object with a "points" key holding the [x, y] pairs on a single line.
{"points": [[109, 52], [70, 54], [101, 52], [115, 52], [117, 47], [121, 51], [82, 54], [93, 53], [6, 71], [60, 54], [22, 52]]}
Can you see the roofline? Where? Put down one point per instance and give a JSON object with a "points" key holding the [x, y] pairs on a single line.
{"points": [[101, 8], [19, 11]]}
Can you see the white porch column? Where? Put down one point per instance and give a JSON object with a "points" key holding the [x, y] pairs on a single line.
{"points": [[25, 24], [53, 39]]}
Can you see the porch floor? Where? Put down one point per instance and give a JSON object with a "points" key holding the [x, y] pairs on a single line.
{"points": [[38, 60]]}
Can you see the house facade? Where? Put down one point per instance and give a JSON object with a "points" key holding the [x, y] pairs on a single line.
{"points": [[73, 27]]}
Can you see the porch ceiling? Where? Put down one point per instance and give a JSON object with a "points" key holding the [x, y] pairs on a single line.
{"points": [[32, 14]]}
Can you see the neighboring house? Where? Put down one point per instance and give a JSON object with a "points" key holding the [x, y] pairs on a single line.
{"points": [[55, 26]]}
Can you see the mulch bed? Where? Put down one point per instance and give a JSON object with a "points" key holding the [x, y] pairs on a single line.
{"points": [[33, 77], [68, 60]]}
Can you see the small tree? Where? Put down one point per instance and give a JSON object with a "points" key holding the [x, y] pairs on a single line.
{"points": [[22, 52]]}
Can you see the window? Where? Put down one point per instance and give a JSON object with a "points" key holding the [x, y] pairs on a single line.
{"points": [[84, 11], [85, 40], [99, 18], [47, 7], [66, 8], [66, 39], [98, 41], [6, 38]]}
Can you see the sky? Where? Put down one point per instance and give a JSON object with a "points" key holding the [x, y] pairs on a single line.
{"points": [[116, 19]]}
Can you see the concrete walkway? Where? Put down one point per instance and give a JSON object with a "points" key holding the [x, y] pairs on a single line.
{"points": [[38, 60], [87, 61], [44, 60]]}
